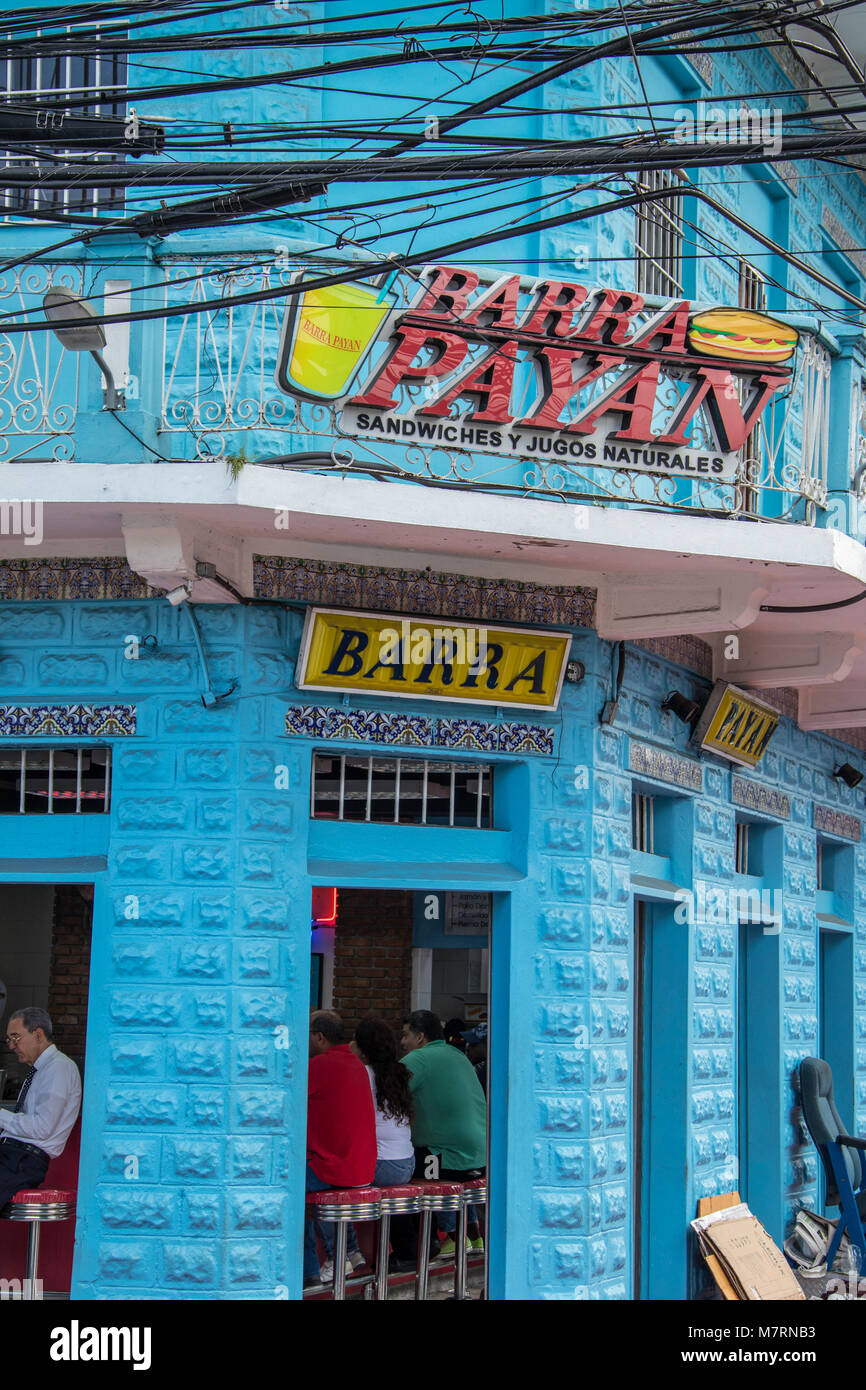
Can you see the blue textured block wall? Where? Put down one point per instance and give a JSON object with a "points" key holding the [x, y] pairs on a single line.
{"points": [[193, 1150], [582, 1244]]}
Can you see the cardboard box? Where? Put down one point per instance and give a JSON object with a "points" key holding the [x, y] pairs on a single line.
{"points": [[745, 1262]]}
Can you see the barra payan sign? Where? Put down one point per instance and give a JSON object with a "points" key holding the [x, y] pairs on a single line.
{"points": [[736, 725], [431, 658], [538, 369]]}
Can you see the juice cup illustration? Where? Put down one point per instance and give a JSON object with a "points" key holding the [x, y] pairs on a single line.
{"points": [[327, 334]]}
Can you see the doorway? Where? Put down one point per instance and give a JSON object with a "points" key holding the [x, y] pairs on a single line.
{"points": [[660, 1062], [836, 1022], [45, 946], [386, 953]]}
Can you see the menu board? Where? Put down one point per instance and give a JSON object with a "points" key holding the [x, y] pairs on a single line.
{"points": [[467, 914]]}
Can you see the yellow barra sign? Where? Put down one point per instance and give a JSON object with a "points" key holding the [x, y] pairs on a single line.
{"points": [[736, 725], [432, 658]]}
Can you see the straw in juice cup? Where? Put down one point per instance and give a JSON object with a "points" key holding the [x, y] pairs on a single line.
{"points": [[386, 286], [334, 329]]}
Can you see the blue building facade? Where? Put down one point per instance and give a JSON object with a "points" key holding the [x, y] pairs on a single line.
{"points": [[646, 1018]]}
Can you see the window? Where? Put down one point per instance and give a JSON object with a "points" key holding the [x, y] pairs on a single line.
{"points": [[404, 791], [54, 781], [741, 847], [819, 869], [756, 846], [751, 288], [30, 79], [834, 868], [658, 238], [643, 822], [751, 294]]}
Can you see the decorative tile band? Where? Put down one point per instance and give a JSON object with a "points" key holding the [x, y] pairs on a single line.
{"points": [[666, 767], [66, 721], [418, 730], [755, 796], [837, 822], [106, 578], [439, 594]]}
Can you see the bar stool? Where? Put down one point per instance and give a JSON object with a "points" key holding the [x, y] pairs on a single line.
{"points": [[474, 1194], [35, 1205], [435, 1196], [343, 1205], [400, 1200]]}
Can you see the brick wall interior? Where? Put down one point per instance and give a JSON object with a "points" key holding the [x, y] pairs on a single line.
{"points": [[373, 955], [70, 969]]}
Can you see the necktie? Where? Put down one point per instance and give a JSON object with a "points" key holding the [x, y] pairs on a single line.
{"points": [[28, 1081]]}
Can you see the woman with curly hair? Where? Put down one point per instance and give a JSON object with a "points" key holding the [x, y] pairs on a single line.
{"points": [[376, 1046]]}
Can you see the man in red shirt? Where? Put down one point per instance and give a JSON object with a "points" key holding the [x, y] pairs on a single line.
{"points": [[341, 1123]]}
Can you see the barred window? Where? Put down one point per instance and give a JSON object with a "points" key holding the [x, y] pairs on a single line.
{"points": [[643, 822], [751, 294], [751, 288], [29, 80], [741, 847], [404, 791], [54, 781], [659, 238]]}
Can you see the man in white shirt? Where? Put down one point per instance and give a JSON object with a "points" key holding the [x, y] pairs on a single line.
{"points": [[47, 1107]]}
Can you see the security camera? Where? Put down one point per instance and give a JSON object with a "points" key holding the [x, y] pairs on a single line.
{"points": [[179, 595]]}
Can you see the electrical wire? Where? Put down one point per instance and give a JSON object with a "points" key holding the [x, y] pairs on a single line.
{"points": [[420, 258], [139, 178]]}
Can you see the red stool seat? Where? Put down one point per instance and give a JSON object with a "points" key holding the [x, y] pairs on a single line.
{"points": [[40, 1204], [44, 1194], [343, 1196], [476, 1185], [441, 1196], [35, 1205], [344, 1206]]}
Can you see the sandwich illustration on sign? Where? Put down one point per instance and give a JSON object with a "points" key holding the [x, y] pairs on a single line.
{"points": [[742, 334]]}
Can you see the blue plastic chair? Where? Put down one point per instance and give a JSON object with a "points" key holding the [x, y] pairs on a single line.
{"points": [[843, 1156]]}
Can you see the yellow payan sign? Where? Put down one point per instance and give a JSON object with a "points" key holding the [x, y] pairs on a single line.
{"points": [[736, 725], [432, 658]]}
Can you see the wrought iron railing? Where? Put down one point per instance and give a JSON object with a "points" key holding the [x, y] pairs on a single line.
{"points": [[38, 378], [220, 400]]}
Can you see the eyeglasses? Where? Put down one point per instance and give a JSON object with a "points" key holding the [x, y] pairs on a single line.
{"points": [[13, 1038]]}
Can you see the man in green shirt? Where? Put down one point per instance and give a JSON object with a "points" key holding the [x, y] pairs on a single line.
{"points": [[449, 1131]]}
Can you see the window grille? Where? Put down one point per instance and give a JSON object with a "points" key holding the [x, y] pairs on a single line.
{"points": [[659, 238], [815, 449], [54, 781], [643, 823], [819, 867], [741, 847], [751, 294], [751, 288], [401, 791], [858, 435], [31, 79]]}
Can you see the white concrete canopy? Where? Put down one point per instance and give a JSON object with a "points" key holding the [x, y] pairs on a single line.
{"points": [[656, 573]]}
